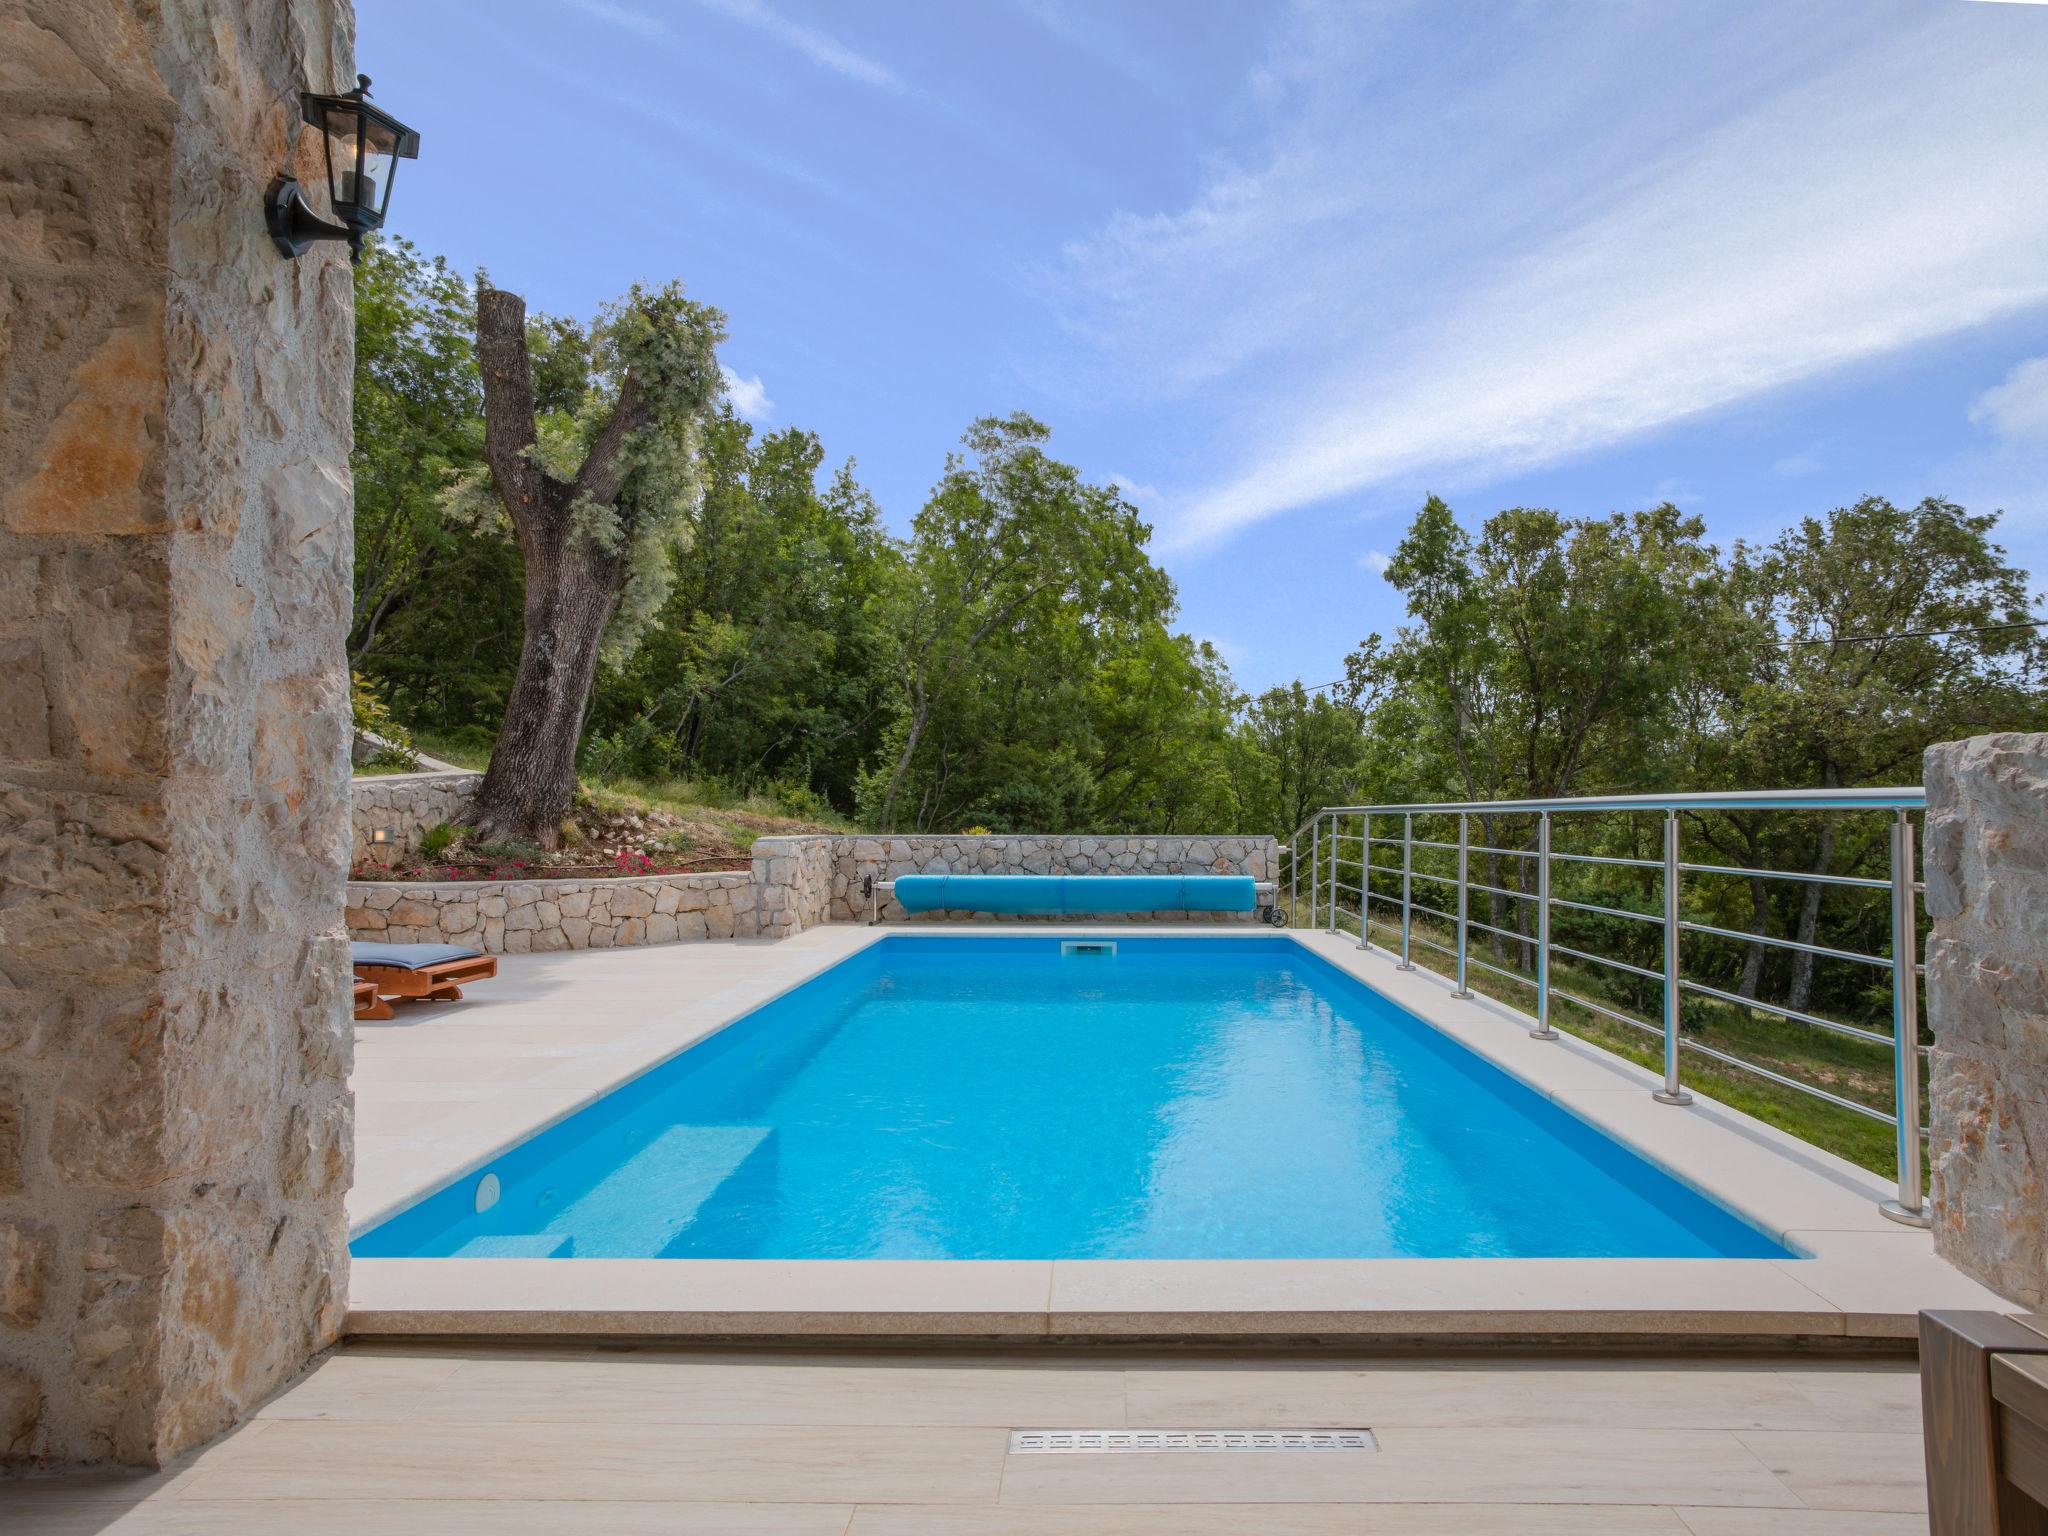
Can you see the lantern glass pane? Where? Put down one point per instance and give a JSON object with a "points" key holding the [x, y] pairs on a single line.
{"points": [[340, 125], [380, 159]]}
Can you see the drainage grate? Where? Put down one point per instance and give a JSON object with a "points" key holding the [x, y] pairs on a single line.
{"points": [[1087, 947], [1067, 1442]]}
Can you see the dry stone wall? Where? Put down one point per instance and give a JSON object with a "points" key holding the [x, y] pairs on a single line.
{"points": [[526, 916], [1987, 1001], [174, 725], [855, 859], [794, 883], [407, 805]]}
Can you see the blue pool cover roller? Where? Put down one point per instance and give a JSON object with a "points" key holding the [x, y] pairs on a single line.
{"points": [[1076, 893]]}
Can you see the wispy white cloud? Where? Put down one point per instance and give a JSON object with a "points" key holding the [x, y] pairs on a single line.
{"points": [[1575, 228], [2017, 410], [749, 396], [825, 51], [820, 48], [621, 16], [1376, 561], [1806, 461]]}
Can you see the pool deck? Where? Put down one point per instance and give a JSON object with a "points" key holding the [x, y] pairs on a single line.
{"points": [[478, 1440], [442, 1089]]}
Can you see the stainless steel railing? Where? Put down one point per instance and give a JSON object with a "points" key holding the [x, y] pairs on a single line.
{"points": [[1326, 847]]}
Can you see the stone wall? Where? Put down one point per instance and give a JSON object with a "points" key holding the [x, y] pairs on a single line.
{"points": [[174, 721], [794, 876], [856, 858], [407, 805], [525, 916], [795, 883], [1987, 1001]]}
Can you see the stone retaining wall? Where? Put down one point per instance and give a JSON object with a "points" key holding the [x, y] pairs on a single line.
{"points": [[405, 804], [795, 883], [884, 858], [518, 917], [1987, 1001]]}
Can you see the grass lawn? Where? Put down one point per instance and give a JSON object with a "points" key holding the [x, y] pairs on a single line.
{"points": [[713, 820], [1858, 1070]]}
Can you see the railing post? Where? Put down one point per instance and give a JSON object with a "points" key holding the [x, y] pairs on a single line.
{"points": [[1464, 843], [1315, 863], [1294, 881], [1364, 879], [1671, 1092], [1910, 1208], [1336, 850], [1407, 873], [1543, 1031]]}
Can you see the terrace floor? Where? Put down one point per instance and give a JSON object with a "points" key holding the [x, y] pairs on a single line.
{"points": [[383, 1440]]}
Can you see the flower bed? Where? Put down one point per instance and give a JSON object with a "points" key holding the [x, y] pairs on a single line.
{"points": [[624, 865]]}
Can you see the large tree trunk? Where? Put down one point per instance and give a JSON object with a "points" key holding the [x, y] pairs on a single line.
{"points": [[530, 786], [572, 584]]}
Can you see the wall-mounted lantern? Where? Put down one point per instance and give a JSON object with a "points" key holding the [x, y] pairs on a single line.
{"points": [[382, 845], [363, 146]]}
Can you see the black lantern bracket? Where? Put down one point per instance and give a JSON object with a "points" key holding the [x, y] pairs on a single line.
{"points": [[362, 145]]}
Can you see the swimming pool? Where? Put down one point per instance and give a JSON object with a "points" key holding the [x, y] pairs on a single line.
{"points": [[956, 1097]]}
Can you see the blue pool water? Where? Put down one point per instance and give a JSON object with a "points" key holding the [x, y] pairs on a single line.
{"points": [[994, 1098]]}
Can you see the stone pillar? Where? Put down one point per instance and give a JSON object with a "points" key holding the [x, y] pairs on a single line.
{"points": [[1987, 1001], [174, 574]]}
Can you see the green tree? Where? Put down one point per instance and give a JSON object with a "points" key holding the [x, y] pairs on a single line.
{"points": [[770, 659], [1874, 631], [592, 458], [1022, 579], [436, 612]]}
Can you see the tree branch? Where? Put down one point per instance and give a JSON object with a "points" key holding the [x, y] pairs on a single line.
{"points": [[507, 371], [603, 474]]}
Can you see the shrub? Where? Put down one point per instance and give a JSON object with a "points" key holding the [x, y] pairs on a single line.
{"points": [[798, 800], [640, 749], [437, 840], [373, 718]]}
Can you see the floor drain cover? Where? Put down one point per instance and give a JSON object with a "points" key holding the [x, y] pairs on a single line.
{"points": [[1068, 1442]]}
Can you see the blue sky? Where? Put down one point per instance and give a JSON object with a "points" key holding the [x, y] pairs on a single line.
{"points": [[1280, 269]]}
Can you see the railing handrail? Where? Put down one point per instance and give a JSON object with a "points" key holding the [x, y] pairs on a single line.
{"points": [[1902, 961], [1899, 798]]}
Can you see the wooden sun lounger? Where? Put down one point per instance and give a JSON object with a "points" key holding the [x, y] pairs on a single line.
{"points": [[368, 1004], [437, 983], [411, 971]]}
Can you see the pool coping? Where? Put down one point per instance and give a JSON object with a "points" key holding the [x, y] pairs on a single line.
{"points": [[1861, 1280]]}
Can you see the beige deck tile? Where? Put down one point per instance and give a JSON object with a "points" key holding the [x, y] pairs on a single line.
{"points": [[1446, 1466], [347, 1385], [1799, 1522], [683, 1463], [1268, 1520], [428, 1516], [1877, 1398], [1844, 1470], [772, 1389], [1478, 1392]]}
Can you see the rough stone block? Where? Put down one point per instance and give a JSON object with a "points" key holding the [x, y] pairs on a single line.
{"points": [[631, 901], [25, 1250], [1986, 870]]}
